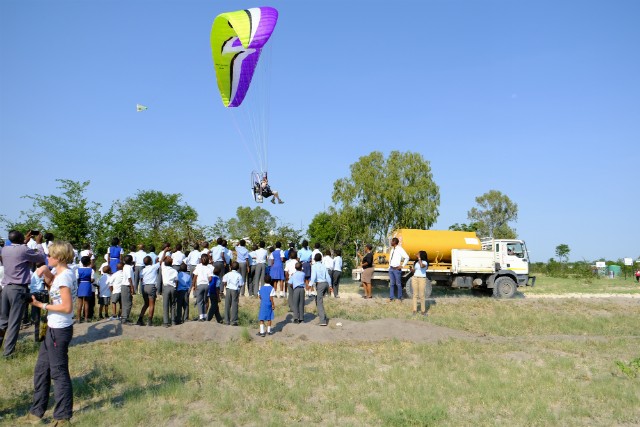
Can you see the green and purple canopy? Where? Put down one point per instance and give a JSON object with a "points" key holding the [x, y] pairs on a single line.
{"points": [[237, 39]]}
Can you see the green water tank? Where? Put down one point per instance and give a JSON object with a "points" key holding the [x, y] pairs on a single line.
{"points": [[615, 269]]}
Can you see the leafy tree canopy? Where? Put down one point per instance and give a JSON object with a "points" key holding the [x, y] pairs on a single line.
{"points": [[384, 194], [473, 226], [493, 214], [68, 215], [562, 252]]}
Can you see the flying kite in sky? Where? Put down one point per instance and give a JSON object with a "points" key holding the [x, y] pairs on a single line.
{"points": [[140, 107], [242, 61]]}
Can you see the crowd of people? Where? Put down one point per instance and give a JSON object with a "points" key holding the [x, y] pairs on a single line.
{"points": [[68, 285], [211, 275]]}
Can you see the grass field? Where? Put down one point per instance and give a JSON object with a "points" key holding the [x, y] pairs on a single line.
{"points": [[527, 362], [553, 285]]}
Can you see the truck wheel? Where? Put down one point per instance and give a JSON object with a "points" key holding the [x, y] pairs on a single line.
{"points": [[504, 287], [428, 289], [408, 290]]}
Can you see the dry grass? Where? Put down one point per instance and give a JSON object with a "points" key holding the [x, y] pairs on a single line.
{"points": [[535, 362]]}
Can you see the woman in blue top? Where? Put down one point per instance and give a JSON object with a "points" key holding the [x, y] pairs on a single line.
{"points": [[419, 282], [115, 254], [277, 270], [85, 281]]}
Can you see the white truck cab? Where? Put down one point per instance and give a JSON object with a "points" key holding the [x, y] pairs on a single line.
{"points": [[510, 254]]}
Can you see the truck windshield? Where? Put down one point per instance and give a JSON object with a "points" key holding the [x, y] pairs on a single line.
{"points": [[515, 249]]}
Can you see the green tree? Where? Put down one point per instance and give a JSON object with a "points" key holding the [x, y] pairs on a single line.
{"points": [[325, 229], [562, 252], [493, 214], [29, 220], [384, 194], [119, 221], [68, 215], [286, 234], [473, 226], [253, 224], [156, 211]]}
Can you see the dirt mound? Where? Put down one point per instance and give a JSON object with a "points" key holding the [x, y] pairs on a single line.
{"points": [[285, 330]]}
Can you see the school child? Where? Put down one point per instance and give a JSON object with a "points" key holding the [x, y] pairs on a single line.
{"points": [[37, 288], [214, 296], [337, 272], [327, 261], [267, 305], [105, 293], [200, 285], [277, 272], [231, 282], [297, 282], [127, 289], [85, 278], [304, 256], [182, 294], [116, 283], [114, 254], [321, 279], [149, 290], [169, 294], [289, 270]]}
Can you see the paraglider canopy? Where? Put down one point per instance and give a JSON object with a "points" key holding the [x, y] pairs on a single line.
{"points": [[237, 39]]}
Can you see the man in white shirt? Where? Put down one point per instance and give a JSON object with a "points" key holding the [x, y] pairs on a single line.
{"points": [[178, 257], [205, 247], [166, 251], [242, 256], [193, 258], [218, 256], [138, 259], [260, 267], [169, 302], [228, 256], [337, 272], [398, 258], [86, 251], [232, 282], [316, 250]]}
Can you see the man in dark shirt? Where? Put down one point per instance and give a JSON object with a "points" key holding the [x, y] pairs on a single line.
{"points": [[16, 260]]}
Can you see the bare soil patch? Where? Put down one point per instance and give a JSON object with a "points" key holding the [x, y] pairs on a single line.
{"points": [[338, 330]]}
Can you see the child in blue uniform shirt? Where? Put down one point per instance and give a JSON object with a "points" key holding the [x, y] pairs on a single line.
{"points": [[214, 296], [267, 305], [36, 288], [85, 278], [182, 292], [297, 281]]}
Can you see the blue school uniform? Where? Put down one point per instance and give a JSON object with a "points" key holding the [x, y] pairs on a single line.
{"points": [[114, 257], [277, 270], [84, 282], [214, 284], [184, 281], [266, 310]]}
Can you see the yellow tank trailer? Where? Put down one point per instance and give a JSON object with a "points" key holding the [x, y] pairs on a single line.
{"points": [[459, 259]]}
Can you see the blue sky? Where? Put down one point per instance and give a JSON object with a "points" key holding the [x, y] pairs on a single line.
{"points": [[537, 99]]}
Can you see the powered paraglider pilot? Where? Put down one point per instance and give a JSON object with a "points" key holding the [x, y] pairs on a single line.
{"points": [[262, 189]]}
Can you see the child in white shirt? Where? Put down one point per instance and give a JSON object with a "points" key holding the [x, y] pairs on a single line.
{"points": [[104, 298], [116, 283]]}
